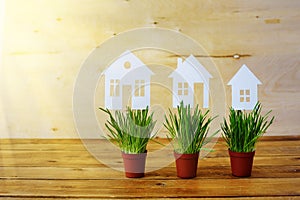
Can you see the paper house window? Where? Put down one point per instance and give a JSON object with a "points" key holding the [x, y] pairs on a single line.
{"points": [[139, 88], [245, 95], [183, 88], [115, 87]]}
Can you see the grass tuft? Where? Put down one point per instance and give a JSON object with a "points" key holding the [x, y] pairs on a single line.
{"points": [[130, 130], [188, 129], [243, 129]]}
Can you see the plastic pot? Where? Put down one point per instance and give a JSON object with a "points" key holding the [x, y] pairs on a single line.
{"points": [[134, 164], [241, 163], [186, 165]]}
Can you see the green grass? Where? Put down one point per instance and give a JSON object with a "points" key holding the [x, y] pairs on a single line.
{"points": [[188, 129], [243, 129], [130, 130]]}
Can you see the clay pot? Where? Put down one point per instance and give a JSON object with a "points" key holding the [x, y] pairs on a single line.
{"points": [[186, 165], [241, 163], [134, 164]]}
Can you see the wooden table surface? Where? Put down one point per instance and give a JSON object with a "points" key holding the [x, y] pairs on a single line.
{"points": [[64, 169]]}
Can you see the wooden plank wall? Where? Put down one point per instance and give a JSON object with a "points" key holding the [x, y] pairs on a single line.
{"points": [[45, 43]]}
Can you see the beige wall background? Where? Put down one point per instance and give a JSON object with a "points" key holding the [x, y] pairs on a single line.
{"points": [[46, 41]]}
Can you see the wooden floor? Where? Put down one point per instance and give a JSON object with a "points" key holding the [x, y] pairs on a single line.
{"points": [[64, 169]]}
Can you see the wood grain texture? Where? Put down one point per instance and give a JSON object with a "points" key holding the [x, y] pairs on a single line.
{"points": [[64, 169], [45, 44]]}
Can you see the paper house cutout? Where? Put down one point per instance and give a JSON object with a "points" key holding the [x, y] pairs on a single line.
{"points": [[127, 71], [244, 89], [188, 73]]}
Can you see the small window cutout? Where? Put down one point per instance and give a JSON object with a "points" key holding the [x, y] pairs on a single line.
{"points": [[127, 65], [245, 95], [247, 92], [183, 89], [114, 87]]}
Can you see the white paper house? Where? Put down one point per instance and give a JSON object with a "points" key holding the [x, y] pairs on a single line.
{"points": [[188, 73], [244, 89], [127, 71]]}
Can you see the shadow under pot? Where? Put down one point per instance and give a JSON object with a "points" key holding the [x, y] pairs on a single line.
{"points": [[186, 165], [241, 163], [134, 164]]}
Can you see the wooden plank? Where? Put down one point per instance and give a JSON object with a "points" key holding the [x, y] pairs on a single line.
{"points": [[67, 159], [79, 141], [40, 141], [219, 198], [185, 198], [140, 188], [290, 146], [220, 150], [166, 173]]}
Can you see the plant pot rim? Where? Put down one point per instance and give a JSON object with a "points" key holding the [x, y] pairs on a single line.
{"points": [[186, 156], [134, 156], [241, 154], [133, 153], [186, 153]]}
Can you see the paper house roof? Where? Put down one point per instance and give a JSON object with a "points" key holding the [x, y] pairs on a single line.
{"points": [[126, 64], [191, 70], [244, 77]]}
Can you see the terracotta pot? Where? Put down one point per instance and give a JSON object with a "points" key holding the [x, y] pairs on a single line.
{"points": [[134, 164], [186, 165], [241, 163]]}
